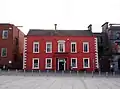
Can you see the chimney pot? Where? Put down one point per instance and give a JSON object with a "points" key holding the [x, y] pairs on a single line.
{"points": [[90, 27], [55, 26]]}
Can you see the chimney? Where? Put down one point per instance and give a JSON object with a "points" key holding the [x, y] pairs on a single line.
{"points": [[105, 27], [90, 27], [55, 26]]}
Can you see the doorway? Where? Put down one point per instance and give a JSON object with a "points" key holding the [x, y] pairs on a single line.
{"points": [[61, 64]]}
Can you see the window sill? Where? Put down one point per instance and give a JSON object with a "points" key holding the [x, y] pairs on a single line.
{"points": [[74, 67], [36, 68], [48, 52], [86, 67], [36, 52], [73, 52], [85, 52], [48, 68], [4, 56]]}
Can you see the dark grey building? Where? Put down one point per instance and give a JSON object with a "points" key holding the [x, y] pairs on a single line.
{"points": [[111, 44]]}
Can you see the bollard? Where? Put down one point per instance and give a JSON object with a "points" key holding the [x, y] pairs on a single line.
{"points": [[32, 72], [106, 74], [62, 72], [39, 72], [8, 71], [92, 74], [99, 73], [47, 72], [84, 73], [0, 71], [55, 72], [70, 71], [16, 72], [113, 73], [77, 72], [24, 72]]}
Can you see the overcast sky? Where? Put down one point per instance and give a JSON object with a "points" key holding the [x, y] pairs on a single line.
{"points": [[68, 14]]}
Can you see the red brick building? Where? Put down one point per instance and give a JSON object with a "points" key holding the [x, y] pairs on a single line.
{"points": [[60, 50], [11, 46]]}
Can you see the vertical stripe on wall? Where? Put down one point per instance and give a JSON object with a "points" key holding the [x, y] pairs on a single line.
{"points": [[96, 53], [25, 53]]}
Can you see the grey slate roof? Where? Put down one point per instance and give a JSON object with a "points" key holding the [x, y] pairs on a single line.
{"points": [[40, 32]]}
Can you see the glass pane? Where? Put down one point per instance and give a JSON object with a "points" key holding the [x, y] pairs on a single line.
{"points": [[85, 48], [4, 52], [73, 47], [35, 63], [86, 62], [73, 62]]}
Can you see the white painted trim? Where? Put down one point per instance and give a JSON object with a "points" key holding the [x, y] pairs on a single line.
{"points": [[46, 63], [2, 52], [63, 46], [34, 47], [88, 63], [75, 64], [50, 48], [87, 45], [33, 63], [75, 47], [96, 52], [24, 53]]}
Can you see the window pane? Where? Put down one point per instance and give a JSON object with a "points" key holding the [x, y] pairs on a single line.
{"points": [[35, 63], [36, 47], [73, 47], [5, 34], [49, 63], [49, 47], [73, 62], [61, 47], [85, 47], [4, 51], [85, 62]]}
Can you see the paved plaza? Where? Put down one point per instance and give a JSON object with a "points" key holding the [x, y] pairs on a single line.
{"points": [[58, 81]]}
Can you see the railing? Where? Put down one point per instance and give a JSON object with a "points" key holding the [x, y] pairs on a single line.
{"points": [[58, 73]]}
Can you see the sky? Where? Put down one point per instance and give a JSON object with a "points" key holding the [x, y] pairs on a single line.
{"points": [[67, 14]]}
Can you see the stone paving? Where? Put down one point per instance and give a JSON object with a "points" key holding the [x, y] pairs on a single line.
{"points": [[57, 81]]}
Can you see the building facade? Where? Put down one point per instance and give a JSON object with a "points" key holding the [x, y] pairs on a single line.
{"points": [[11, 46], [60, 50], [112, 32]]}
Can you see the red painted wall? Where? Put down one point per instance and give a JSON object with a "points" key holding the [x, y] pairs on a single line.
{"points": [[42, 55]]}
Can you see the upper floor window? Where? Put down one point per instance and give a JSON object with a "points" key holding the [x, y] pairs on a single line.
{"points": [[61, 46], [73, 47], [35, 47], [74, 62], [48, 63], [5, 34], [48, 47], [85, 47], [3, 52]]}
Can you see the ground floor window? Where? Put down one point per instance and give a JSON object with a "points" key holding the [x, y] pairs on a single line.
{"points": [[48, 63], [74, 62], [35, 64], [86, 63], [3, 52]]}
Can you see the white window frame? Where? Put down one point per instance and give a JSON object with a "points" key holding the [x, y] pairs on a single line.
{"points": [[88, 63], [33, 63], [75, 47], [76, 62], [34, 47], [46, 63], [50, 48], [61, 42], [87, 45], [4, 33], [2, 52]]}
